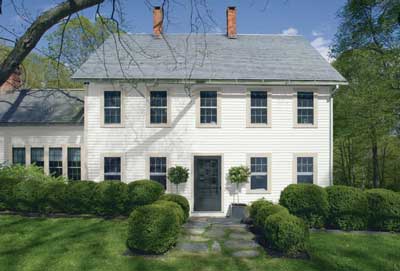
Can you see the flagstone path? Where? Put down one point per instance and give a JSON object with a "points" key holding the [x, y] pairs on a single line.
{"points": [[205, 235]]}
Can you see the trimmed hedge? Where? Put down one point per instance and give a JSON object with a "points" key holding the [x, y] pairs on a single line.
{"points": [[181, 200], [173, 206], [54, 193], [384, 209], [110, 198], [348, 208], [265, 211], [308, 201], [143, 192], [7, 197], [153, 228], [256, 206], [79, 197], [30, 196], [286, 233]]}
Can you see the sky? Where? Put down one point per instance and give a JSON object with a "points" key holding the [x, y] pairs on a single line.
{"points": [[316, 20]]}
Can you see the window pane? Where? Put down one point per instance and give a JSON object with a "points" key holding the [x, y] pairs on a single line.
{"points": [[158, 98], [18, 156], [305, 116], [258, 164], [208, 115], [305, 169], [258, 115], [112, 99], [259, 98], [259, 182], [305, 179], [74, 163], [208, 98], [305, 99], [55, 161], [158, 165], [162, 179], [112, 107], [37, 156], [112, 168], [158, 115]]}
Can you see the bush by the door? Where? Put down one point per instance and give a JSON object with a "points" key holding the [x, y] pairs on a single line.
{"points": [[153, 228], [143, 192], [181, 200], [348, 208], [307, 201]]}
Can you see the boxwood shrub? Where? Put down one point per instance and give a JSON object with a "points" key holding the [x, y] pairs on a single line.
{"points": [[7, 198], [348, 208], [181, 200], [54, 193], [308, 201], [175, 207], [110, 198], [80, 197], [153, 228], [384, 209], [30, 196], [267, 210], [286, 233], [255, 207], [143, 192]]}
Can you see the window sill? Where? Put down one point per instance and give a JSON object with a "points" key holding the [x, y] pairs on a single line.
{"points": [[254, 125], [161, 125], [208, 126], [305, 126], [113, 125], [258, 191]]}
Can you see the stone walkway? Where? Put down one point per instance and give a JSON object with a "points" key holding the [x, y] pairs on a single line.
{"points": [[205, 235]]}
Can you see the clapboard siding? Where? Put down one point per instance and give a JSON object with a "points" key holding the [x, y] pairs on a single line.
{"points": [[183, 139]]}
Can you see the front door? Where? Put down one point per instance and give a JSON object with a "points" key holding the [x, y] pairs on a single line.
{"points": [[207, 183]]}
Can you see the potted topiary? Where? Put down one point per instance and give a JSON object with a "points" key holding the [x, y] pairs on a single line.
{"points": [[238, 175], [177, 175]]}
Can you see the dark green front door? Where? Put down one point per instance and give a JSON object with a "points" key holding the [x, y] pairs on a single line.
{"points": [[207, 183]]}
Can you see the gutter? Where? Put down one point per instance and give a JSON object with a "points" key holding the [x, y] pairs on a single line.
{"points": [[334, 90]]}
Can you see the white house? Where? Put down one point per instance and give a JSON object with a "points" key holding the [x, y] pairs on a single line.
{"points": [[204, 101]]}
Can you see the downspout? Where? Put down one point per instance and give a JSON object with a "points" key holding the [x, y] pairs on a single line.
{"points": [[334, 89]]}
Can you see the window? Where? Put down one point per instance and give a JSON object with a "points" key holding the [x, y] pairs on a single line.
{"points": [[305, 170], [258, 107], [18, 156], [305, 108], [55, 162], [158, 107], [259, 173], [208, 107], [158, 170], [112, 168], [112, 107], [74, 163], [37, 157]]}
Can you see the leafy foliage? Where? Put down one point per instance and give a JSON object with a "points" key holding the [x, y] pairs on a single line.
{"points": [[265, 211], [80, 197], [110, 198], [143, 192], [348, 208], [177, 175], [153, 228], [239, 174], [256, 206], [308, 201], [181, 200]]}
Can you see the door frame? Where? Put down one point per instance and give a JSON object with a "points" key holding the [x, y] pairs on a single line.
{"points": [[192, 178]]}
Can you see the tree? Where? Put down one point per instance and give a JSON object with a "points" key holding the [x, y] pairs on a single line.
{"points": [[178, 175], [75, 40], [239, 175], [32, 35]]}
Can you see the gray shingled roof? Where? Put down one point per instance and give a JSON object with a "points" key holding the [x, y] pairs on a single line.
{"points": [[25, 107], [208, 57]]}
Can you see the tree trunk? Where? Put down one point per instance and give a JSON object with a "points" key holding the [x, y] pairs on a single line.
{"points": [[375, 164], [31, 37]]}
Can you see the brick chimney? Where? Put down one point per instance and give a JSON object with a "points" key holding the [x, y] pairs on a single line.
{"points": [[231, 22], [157, 21], [13, 82]]}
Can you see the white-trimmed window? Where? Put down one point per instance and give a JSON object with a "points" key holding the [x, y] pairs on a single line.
{"points": [[158, 107], [19, 156], [258, 107], [74, 163], [37, 157], [112, 168], [112, 107], [259, 173], [305, 170], [305, 108], [55, 162], [158, 170], [208, 107]]}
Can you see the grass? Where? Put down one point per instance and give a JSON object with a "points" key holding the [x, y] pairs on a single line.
{"points": [[96, 244]]}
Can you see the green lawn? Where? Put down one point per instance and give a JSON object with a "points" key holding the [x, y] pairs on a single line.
{"points": [[96, 244]]}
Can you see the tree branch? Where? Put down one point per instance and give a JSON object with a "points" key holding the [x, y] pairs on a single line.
{"points": [[31, 37]]}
